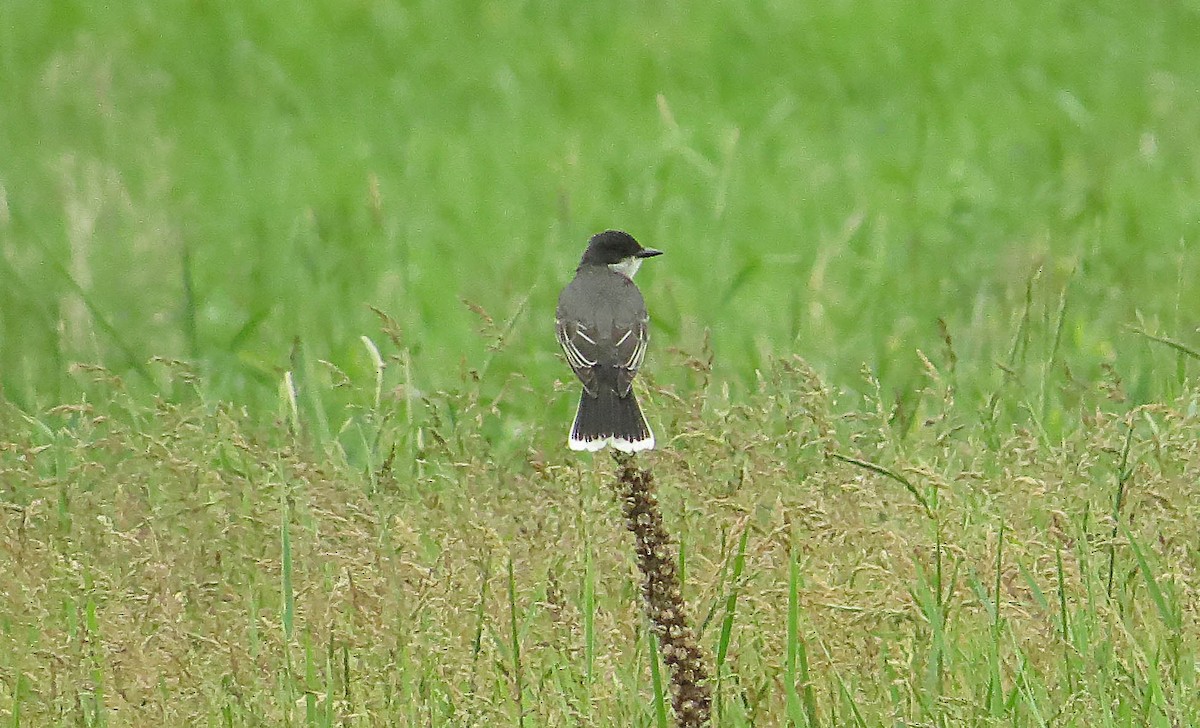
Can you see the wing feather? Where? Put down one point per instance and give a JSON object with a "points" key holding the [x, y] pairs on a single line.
{"points": [[631, 351], [570, 334]]}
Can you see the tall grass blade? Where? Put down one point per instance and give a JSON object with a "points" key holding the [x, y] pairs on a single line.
{"points": [[1064, 622], [518, 674], [796, 670], [310, 683], [880, 470], [656, 679], [480, 621], [1168, 616], [188, 309], [285, 542], [739, 564], [589, 620], [1123, 476], [133, 360], [1178, 346], [1060, 317]]}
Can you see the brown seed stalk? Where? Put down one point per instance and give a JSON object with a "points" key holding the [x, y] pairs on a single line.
{"points": [[661, 595]]}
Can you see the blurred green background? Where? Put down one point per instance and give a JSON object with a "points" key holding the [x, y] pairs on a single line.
{"points": [[219, 181]]}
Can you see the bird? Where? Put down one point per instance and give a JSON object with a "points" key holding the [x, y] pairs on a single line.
{"points": [[603, 328]]}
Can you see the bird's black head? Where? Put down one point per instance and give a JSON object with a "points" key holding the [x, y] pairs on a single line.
{"points": [[613, 247]]}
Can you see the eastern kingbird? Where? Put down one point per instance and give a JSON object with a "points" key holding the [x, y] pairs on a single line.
{"points": [[602, 325]]}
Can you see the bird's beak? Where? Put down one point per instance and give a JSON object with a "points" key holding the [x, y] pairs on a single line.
{"points": [[647, 253]]}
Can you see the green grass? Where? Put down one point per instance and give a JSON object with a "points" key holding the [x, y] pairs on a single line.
{"points": [[147, 562], [282, 416]]}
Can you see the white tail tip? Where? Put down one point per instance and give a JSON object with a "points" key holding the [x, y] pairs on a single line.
{"points": [[618, 443]]}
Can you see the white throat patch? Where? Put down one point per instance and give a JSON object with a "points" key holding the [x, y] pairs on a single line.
{"points": [[628, 267]]}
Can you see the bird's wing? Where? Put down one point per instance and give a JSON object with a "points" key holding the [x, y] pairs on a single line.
{"points": [[580, 348], [631, 344]]}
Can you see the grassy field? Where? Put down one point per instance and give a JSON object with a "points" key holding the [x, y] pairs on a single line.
{"points": [[282, 417]]}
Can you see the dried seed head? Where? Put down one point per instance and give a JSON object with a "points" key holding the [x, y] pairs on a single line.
{"points": [[662, 595]]}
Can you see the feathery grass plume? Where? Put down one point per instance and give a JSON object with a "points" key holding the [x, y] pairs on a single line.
{"points": [[661, 594]]}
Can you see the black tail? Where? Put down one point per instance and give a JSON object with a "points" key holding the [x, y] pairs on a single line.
{"points": [[609, 419]]}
